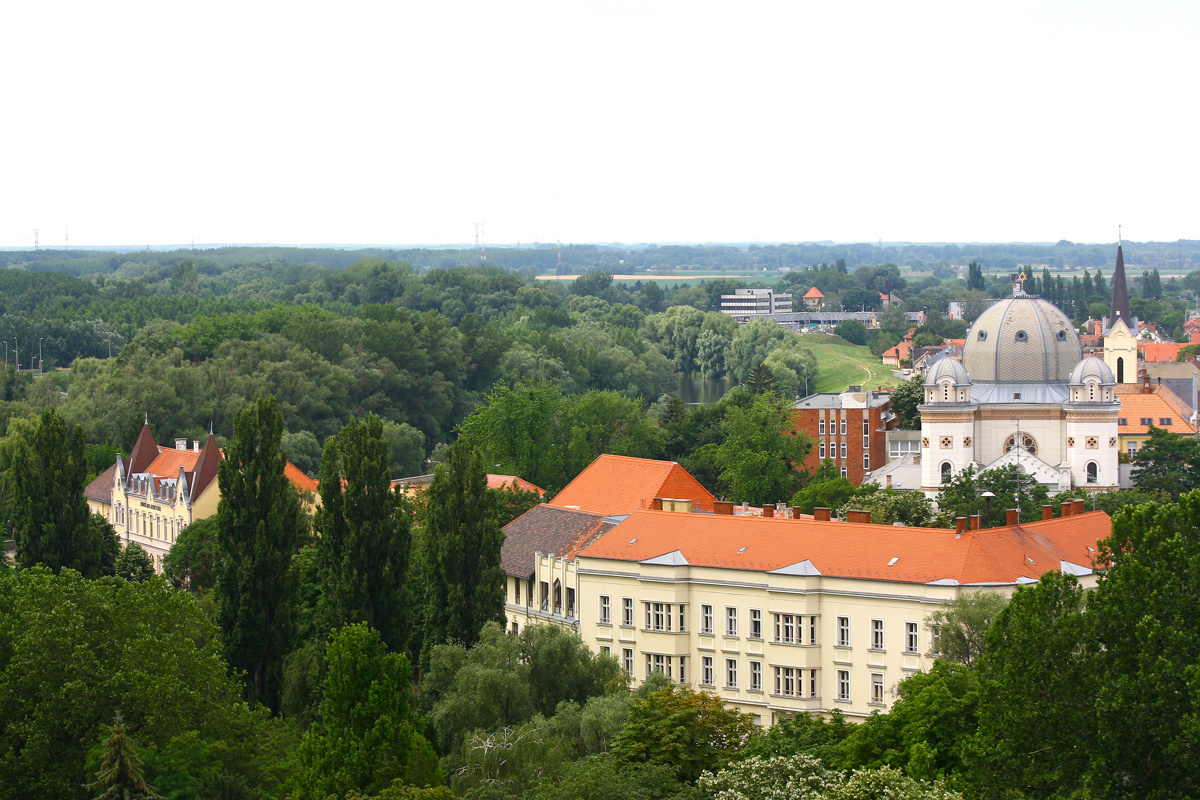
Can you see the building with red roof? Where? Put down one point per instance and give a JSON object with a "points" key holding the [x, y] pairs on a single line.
{"points": [[813, 298], [618, 485], [780, 616]]}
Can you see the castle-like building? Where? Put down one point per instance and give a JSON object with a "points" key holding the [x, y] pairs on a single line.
{"points": [[1024, 394]]}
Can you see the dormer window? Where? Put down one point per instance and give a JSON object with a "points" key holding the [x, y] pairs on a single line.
{"points": [[983, 336], [1022, 336]]}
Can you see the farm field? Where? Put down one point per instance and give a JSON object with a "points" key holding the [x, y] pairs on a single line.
{"points": [[842, 364]]}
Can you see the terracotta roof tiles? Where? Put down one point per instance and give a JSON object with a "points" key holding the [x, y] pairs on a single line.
{"points": [[615, 485], [547, 529], [100, 489]]}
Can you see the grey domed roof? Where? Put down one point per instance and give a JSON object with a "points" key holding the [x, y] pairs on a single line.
{"points": [[1092, 367], [1022, 340], [947, 367]]}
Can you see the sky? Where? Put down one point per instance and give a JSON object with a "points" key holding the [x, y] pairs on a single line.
{"points": [[413, 122]]}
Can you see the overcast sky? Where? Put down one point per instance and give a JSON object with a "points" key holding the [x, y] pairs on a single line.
{"points": [[410, 122]]}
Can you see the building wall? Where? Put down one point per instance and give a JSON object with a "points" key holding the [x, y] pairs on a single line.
{"points": [[1085, 429], [1121, 344], [808, 421], [945, 436], [529, 602]]}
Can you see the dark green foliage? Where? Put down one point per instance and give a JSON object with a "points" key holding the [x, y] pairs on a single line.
{"points": [[826, 489], [364, 535], [760, 380], [852, 331], [462, 540], [905, 399], [1168, 463], [761, 451], [134, 564], [963, 496], [975, 277], [120, 776], [803, 733], [191, 563], [260, 527]]}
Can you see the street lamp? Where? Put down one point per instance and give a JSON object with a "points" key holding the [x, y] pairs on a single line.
{"points": [[987, 499], [805, 378], [39, 356]]}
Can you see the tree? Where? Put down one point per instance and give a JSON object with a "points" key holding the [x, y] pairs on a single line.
{"points": [[827, 489], [462, 538], [686, 731], [134, 564], [905, 399], [191, 563], [364, 535], [51, 522], [794, 777], [852, 331], [760, 380], [261, 525], [888, 506], [523, 430], [761, 450], [1010, 485], [120, 776], [367, 734], [962, 625], [975, 277], [1167, 462]]}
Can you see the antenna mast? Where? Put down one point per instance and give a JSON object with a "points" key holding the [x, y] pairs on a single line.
{"points": [[35, 241]]}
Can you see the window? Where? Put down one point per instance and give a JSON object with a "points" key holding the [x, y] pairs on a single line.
{"points": [[1061, 335], [866, 427], [731, 673], [1093, 472], [545, 596], [1122, 421], [661, 616], [911, 641], [812, 683], [983, 336], [1164, 421], [627, 655], [756, 676], [627, 612], [821, 450], [843, 472], [842, 429], [1092, 442], [843, 451], [755, 624], [570, 602], [896, 449], [876, 634], [785, 681], [603, 648], [557, 597], [821, 427], [843, 632], [843, 692], [866, 461], [515, 628], [706, 671], [682, 615], [866, 440], [1016, 395], [682, 675], [1022, 336], [1132, 449], [785, 628], [706, 620], [731, 622], [605, 610], [812, 630], [1147, 420], [517, 591], [934, 632], [876, 687]]}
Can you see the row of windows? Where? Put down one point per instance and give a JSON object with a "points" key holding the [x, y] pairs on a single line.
{"points": [[833, 454], [154, 526], [789, 628], [1163, 421], [1091, 469]]}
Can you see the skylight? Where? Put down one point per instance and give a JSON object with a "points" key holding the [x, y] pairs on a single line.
{"points": [[741, 549], [632, 541], [892, 563]]}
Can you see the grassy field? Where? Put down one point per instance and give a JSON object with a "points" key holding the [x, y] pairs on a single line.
{"points": [[842, 364]]}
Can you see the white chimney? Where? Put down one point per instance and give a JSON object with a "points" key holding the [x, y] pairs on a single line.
{"points": [[181, 444], [195, 445]]}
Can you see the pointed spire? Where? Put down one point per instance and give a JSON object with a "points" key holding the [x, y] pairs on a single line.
{"points": [[1120, 296], [205, 470], [144, 450]]}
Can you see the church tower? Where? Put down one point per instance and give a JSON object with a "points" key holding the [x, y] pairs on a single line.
{"points": [[1120, 329]]}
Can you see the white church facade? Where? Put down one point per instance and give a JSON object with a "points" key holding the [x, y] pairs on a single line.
{"points": [[1023, 394]]}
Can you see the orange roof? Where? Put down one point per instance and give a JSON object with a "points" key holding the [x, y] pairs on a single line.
{"points": [[853, 550], [1194, 322], [901, 351], [615, 485], [1155, 351], [814, 293], [1161, 403], [169, 461], [505, 481], [299, 479]]}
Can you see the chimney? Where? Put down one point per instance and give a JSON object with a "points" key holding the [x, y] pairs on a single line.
{"points": [[181, 444], [887, 479], [976, 521], [862, 517], [195, 445], [768, 511], [960, 525], [1066, 509], [1012, 518], [1078, 507], [722, 508], [656, 504], [1047, 512], [821, 514]]}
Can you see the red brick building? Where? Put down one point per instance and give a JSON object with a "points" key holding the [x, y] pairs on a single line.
{"points": [[847, 428]]}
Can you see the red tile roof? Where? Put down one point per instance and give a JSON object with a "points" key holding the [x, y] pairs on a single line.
{"points": [[299, 479], [505, 481], [851, 550], [812, 294], [614, 485], [1155, 351], [1159, 404]]}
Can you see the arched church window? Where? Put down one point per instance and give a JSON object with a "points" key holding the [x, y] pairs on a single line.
{"points": [[946, 469], [1022, 336], [946, 392], [1120, 370], [1091, 391], [1027, 443], [1093, 472]]}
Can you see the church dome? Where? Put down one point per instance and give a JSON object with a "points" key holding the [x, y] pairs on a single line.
{"points": [[947, 367], [1022, 340], [1095, 369]]}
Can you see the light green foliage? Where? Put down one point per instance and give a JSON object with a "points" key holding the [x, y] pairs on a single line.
{"points": [[686, 731], [905, 399], [888, 784], [511, 759], [888, 506], [133, 563], [802, 734], [599, 778], [364, 535], [760, 453], [826, 489], [751, 345], [463, 582], [795, 777], [407, 445], [790, 365], [963, 496], [120, 776], [963, 624], [367, 734], [260, 527], [852, 331]]}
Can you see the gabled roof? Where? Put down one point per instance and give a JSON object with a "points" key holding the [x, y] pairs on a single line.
{"points": [[851, 550], [505, 481], [546, 529], [205, 469], [615, 485], [813, 294], [1161, 403], [100, 489], [299, 479]]}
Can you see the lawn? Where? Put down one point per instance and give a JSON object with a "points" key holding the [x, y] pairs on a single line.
{"points": [[842, 364]]}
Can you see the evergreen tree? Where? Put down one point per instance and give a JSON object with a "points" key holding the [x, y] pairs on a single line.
{"points": [[1098, 285], [51, 523], [464, 583], [120, 775], [975, 277], [365, 535], [761, 380], [260, 527]]}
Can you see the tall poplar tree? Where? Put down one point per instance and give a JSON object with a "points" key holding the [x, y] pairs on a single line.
{"points": [[260, 527], [364, 535], [462, 540]]}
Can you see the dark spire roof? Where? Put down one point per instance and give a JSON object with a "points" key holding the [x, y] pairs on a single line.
{"points": [[1120, 296], [206, 467], [144, 451]]}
